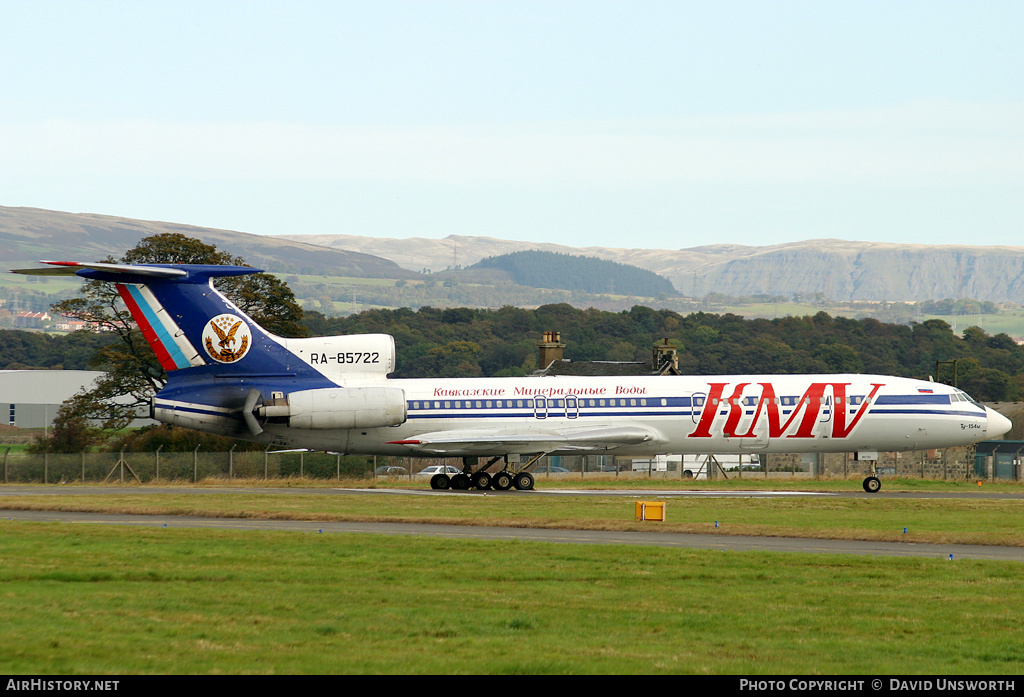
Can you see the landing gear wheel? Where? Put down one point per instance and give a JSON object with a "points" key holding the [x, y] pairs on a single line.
{"points": [[460, 482], [872, 484], [502, 481], [524, 481], [481, 481], [440, 481]]}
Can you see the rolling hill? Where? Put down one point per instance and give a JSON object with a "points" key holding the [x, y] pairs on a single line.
{"points": [[30, 234], [837, 270], [840, 270], [539, 269]]}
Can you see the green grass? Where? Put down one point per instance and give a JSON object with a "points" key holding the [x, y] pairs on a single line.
{"points": [[770, 310], [950, 521], [46, 284], [344, 280], [1010, 322], [14, 448], [82, 599]]}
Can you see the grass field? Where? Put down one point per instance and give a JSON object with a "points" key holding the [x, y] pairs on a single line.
{"points": [[953, 521], [89, 599], [1008, 321], [166, 601]]}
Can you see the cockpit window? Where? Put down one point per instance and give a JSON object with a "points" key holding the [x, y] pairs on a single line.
{"points": [[960, 396]]}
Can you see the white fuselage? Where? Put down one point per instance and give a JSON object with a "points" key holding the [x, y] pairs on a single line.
{"points": [[682, 414], [227, 375]]}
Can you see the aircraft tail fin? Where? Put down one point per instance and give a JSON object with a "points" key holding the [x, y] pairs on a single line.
{"points": [[228, 375], [186, 321], [190, 324]]}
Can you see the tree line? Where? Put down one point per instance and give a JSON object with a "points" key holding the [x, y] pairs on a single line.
{"points": [[464, 342], [454, 342], [25, 350]]}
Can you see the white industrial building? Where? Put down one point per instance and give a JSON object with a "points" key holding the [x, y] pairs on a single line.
{"points": [[31, 398]]}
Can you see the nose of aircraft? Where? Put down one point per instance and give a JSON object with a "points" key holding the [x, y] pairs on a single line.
{"points": [[996, 424]]}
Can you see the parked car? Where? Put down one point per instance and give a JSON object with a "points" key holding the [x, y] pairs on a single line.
{"points": [[438, 469], [390, 471]]}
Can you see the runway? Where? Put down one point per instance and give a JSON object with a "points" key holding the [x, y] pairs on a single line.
{"points": [[725, 543], [58, 490]]}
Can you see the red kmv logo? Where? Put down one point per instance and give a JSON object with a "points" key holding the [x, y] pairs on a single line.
{"points": [[809, 404]]}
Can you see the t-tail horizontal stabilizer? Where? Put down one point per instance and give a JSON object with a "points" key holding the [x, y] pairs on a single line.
{"points": [[183, 318], [73, 268]]}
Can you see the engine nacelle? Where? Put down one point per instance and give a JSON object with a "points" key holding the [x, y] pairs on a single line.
{"points": [[340, 408]]}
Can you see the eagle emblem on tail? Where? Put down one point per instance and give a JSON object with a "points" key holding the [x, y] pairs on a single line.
{"points": [[226, 338]]}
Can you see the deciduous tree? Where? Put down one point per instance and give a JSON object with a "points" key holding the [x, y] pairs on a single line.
{"points": [[134, 374]]}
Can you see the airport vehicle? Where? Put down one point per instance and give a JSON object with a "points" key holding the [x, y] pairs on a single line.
{"points": [[229, 376], [696, 465], [431, 470]]}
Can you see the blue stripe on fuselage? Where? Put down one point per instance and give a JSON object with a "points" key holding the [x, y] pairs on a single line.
{"points": [[425, 409]]}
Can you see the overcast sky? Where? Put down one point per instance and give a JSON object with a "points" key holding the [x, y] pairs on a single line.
{"points": [[625, 124]]}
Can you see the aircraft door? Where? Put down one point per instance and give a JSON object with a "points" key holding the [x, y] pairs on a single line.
{"points": [[572, 407], [756, 437], [540, 407], [825, 416], [697, 400]]}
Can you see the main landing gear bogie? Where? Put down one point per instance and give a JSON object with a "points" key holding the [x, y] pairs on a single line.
{"points": [[482, 481], [523, 481], [502, 481], [511, 475]]}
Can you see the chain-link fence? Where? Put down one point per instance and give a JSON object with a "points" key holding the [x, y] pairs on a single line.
{"points": [[188, 467], [146, 467], [948, 464]]}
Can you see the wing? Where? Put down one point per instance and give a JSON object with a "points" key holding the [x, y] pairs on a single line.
{"points": [[582, 440]]}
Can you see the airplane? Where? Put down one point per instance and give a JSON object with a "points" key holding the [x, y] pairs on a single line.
{"points": [[227, 375]]}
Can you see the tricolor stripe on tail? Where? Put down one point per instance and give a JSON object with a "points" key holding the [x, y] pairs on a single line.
{"points": [[169, 343]]}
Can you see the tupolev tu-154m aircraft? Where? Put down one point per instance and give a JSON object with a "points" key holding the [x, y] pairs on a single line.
{"points": [[227, 375]]}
